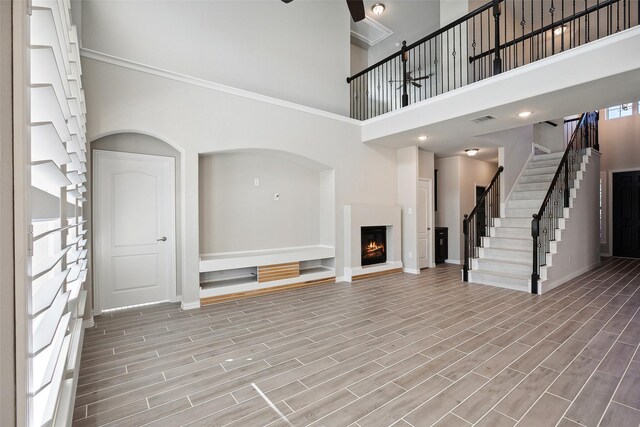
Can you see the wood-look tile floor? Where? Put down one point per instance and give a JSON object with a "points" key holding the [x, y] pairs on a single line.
{"points": [[400, 350]]}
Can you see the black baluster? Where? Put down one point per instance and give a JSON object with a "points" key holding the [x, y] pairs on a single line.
{"points": [[535, 232]]}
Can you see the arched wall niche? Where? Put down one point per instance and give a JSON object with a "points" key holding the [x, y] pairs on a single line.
{"points": [[257, 199]]}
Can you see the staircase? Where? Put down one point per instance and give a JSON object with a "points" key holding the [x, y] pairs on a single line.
{"points": [[505, 257]]}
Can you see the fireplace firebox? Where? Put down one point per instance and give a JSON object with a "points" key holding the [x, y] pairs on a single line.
{"points": [[373, 245]]}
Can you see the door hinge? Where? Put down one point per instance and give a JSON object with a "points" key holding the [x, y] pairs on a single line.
{"points": [[30, 241], [29, 7]]}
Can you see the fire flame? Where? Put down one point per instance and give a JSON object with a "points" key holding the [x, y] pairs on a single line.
{"points": [[373, 249]]}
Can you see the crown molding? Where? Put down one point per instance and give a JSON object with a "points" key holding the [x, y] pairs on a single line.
{"points": [[207, 84]]}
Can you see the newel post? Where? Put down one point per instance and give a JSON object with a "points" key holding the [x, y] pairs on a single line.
{"points": [[535, 232], [497, 61], [405, 58], [465, 231]]}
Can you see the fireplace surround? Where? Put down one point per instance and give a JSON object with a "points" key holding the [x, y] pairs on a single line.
{"points": [[356, 217]]}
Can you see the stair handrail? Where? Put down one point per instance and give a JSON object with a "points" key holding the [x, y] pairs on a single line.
{"points": [[492, 195], [558, 196]]}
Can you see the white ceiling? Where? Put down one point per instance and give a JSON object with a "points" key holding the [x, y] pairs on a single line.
{"points": [[409, 20], [590, 77]]}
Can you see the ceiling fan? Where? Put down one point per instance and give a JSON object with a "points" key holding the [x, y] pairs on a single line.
{"points": [[356, 8], [411, 79]]}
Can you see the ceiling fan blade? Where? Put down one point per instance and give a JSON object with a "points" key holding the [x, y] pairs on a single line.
{"points": [[356, 8], [416, 84], [399, 87], [420, 78]]}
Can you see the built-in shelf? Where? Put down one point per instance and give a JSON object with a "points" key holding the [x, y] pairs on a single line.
{"points": [[232, 260], [242, 276], [228, 282]]}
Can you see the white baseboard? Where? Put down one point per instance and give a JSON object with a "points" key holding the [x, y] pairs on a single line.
{"points": [[411, 270], [88, 323], [190, 305], [547, 286], [453, 261]]}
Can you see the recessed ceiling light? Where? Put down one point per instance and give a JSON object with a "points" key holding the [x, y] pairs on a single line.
{"points": [[525, 114], [560, 30], [422, 138], [378, 8], [471, 151]]}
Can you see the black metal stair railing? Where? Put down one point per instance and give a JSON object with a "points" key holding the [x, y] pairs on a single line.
{"points": [[477, 224], [465, 51], [546, 221]]}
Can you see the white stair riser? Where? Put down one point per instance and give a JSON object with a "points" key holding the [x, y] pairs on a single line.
{"points": [[558, 155], [504, 267], [541, 171], [521, 212], [486, 278], [528, 195], [507, 254], [520, 233], [543, 163], [532, 186], [518, 204], [536, 178], [503, 243], [516, 222]]}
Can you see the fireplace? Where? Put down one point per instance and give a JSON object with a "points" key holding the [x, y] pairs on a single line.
{"points": [[373, 245]]}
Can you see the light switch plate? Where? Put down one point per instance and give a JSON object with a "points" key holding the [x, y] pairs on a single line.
{"points": [[256, 182]]}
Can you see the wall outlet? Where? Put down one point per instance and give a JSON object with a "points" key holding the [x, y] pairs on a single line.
{"points": [[276, 196], [256, 182], [410, 211], [410, 254]]}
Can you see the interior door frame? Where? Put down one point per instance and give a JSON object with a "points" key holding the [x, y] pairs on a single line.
{"points": [[430, 223], [95, 223], [609, 202]]}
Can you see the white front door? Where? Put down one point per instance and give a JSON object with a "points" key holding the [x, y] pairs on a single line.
{"points": [[134, 229], [424, 224]]}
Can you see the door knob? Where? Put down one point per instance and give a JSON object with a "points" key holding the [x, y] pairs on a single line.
{"points": [[428, 228], [162, 239]]}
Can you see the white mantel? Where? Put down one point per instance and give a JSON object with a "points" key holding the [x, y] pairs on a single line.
{"points": [[357, 216]]}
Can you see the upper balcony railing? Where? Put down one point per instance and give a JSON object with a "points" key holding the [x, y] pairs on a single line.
{"points": [[465, 51]]}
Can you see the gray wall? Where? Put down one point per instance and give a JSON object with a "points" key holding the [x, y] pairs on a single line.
{"points": [[7, 325], [620, 148], [548, 136], [458, 177], [448, 213], [144, 144], [236, 215], [298, 52], [407, 182]]}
